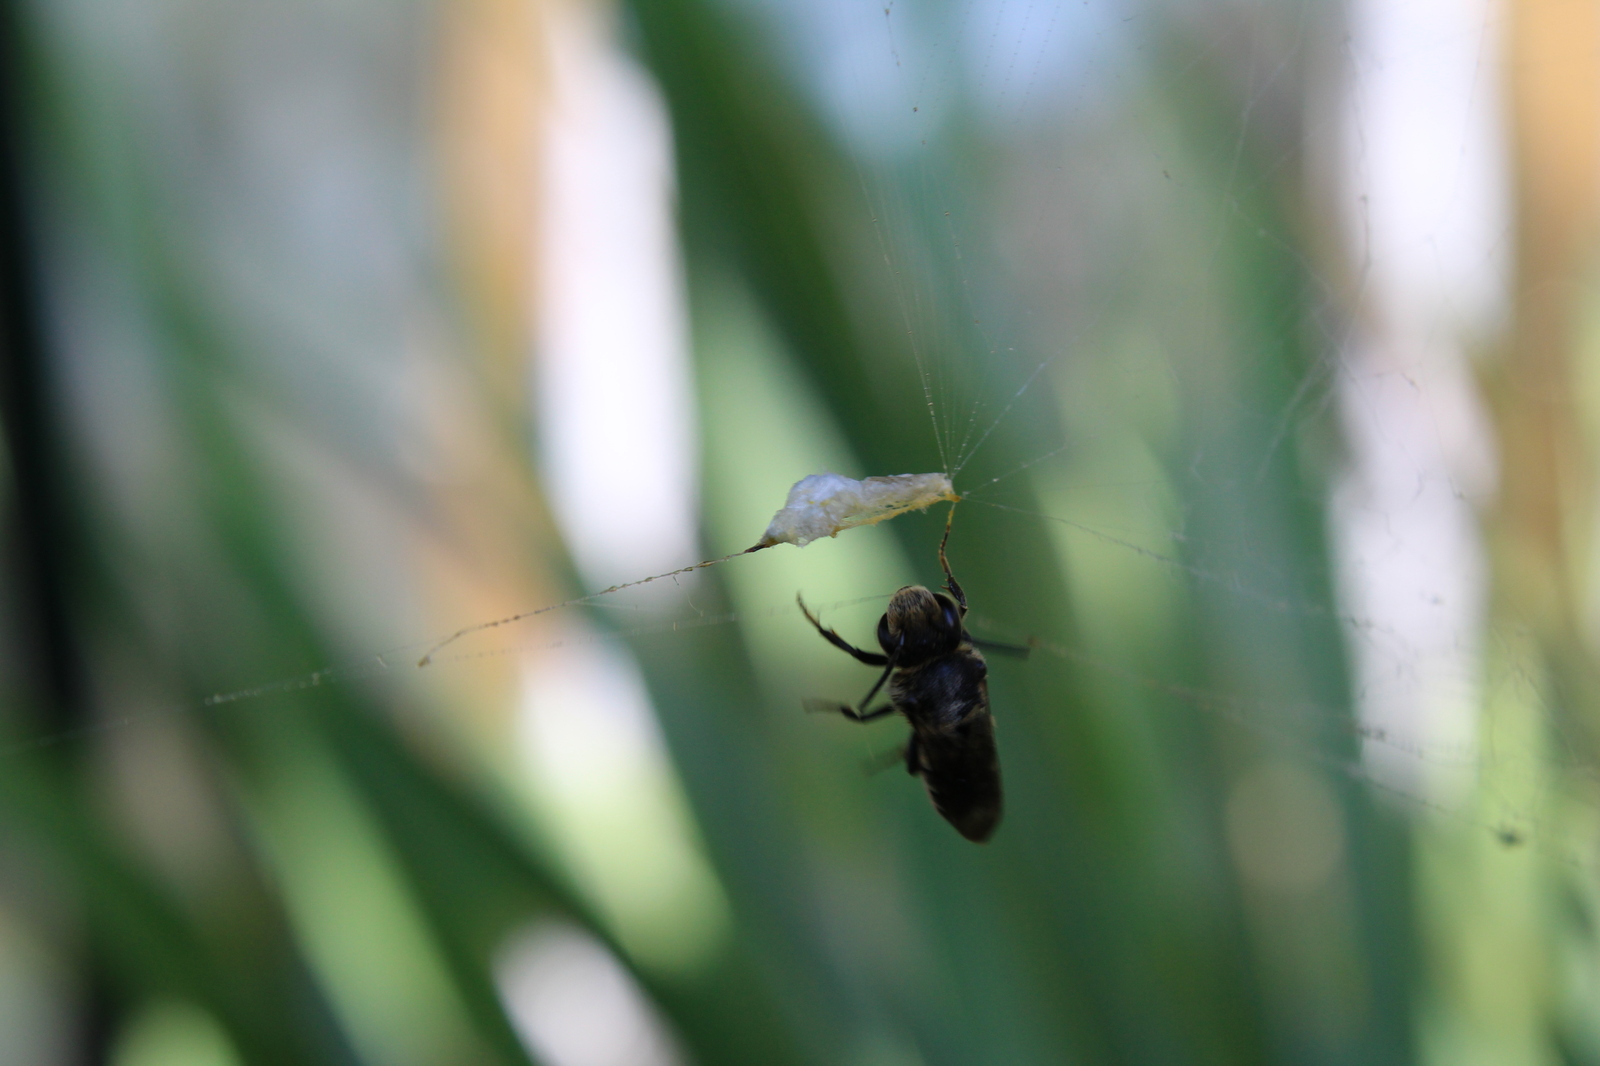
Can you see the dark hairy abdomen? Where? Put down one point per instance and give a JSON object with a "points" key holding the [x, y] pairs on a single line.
{"points": [[963, 776], [947, 703]]}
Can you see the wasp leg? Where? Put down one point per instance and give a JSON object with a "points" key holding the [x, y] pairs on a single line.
{"points": [[950, 581], [853, 714], [871, 658], [869, 716], [873, 691], [832, 707]]}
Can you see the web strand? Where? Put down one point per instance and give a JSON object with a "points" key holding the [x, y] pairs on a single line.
{"points": [[398, 659], [576, 602], [1026, 385], [1261, 718]]}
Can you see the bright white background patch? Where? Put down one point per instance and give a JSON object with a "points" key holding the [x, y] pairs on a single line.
{"points": [[616, 427], [1425, 210], [573, 1004], [613, 383]]}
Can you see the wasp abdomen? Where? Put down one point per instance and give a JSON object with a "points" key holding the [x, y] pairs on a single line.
{"points": [[947, 703], [962, 775]]}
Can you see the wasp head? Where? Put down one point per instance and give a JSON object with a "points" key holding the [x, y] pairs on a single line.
{"points": [[919, 625]]}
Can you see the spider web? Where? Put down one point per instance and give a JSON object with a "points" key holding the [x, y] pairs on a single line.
{"points": [[1163, 282], [1011, 338], [1394, 306]]}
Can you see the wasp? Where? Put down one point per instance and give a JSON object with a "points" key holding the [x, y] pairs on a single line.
{"points": [[938, 679]]}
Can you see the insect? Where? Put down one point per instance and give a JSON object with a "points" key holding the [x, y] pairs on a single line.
{"points": [[938, 679]]}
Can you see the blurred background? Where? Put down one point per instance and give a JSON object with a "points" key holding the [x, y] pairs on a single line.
{"points": [[1260, 335]]}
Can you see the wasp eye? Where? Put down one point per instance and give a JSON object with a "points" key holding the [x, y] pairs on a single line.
{"points": [[952, 618], [884, 640]]}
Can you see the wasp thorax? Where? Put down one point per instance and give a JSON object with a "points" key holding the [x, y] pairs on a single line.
{"points": [[919, 625]]}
